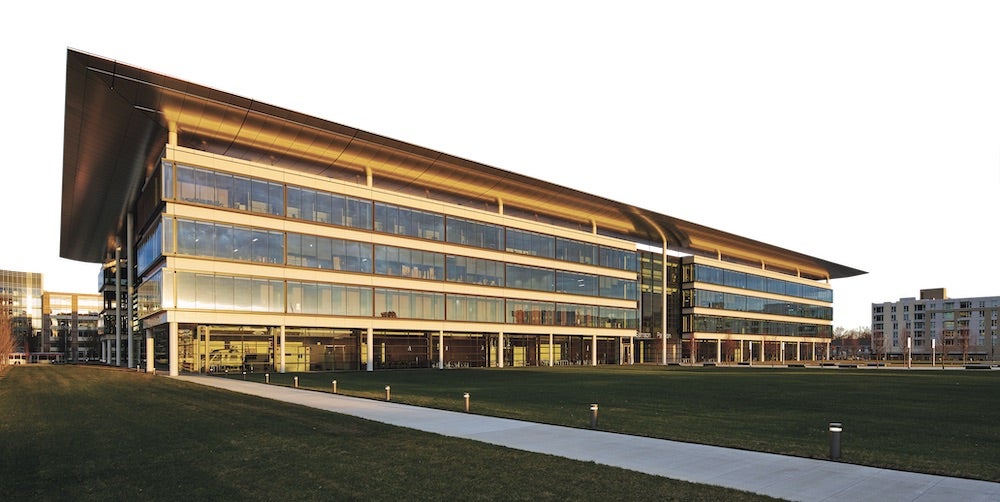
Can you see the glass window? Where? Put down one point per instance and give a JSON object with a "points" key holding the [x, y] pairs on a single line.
{"points": [[530, 243], [530, 312], [576, 315], [621, 259], [473, 233], [624, 289], [409, 304], [474, 308], [524, 277], [575, 283], [474, 271], [576, 251]]}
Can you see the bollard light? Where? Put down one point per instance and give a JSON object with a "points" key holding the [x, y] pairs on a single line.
{"points": [[835, 429], [295, 382], [466, 402], [386, 392], [334, 385], [593, 415], [267, 378]]}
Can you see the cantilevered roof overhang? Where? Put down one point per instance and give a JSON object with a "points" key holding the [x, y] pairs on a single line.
{"points": [[118, 119]]}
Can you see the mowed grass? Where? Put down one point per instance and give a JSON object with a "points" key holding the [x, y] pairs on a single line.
{"points": [[85, 433], [934, 421]]}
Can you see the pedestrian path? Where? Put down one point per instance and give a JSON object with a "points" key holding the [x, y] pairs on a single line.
{"points": [[790, 478]]}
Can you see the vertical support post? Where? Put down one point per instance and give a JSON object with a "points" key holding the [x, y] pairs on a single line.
{"points": [[333, 384], [387, 393], [295, 382], [371, 350], [631, 349], [909, 352], [466, 396], [593, 350], [118, 306], [718, 350], [281, 349], [130, 278], [782, 355], [150, 356], [172, 351], [500, 350], [441, 349], [552, 350]]}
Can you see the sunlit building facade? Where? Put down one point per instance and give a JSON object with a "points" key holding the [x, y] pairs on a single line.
{"points": [[21, 298], [935, 325], [238, 236], [71, 324]]}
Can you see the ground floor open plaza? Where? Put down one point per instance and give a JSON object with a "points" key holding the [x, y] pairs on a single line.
{"points": [[211, 348]]}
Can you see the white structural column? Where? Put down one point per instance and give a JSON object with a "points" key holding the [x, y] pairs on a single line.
{"points": [[371, 350], [663, 345], [441, 349], [593, 350], [118, 305], [762, 351], [281, 349], [781, 357], [552, 350], [172, 344], [827, 350], [718, 350], [798, 351], [631, 349], [750, 353], [500, 350], [813, 345], [129, 256], [150, 360]]}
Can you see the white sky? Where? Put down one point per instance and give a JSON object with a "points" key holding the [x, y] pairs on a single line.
{"points": [[866, 133]]}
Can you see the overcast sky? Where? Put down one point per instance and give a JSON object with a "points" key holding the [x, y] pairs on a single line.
{"points": [[866, 133]]}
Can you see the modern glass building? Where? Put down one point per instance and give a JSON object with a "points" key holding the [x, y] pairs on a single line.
{"points": [[237, 235], [21, 298], [71, 324]]}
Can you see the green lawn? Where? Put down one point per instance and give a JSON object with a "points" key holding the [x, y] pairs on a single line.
{"points": [[86, 433], [943, 422]]}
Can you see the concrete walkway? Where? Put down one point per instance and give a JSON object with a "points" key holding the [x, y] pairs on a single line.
{"points": [[781, 476]]}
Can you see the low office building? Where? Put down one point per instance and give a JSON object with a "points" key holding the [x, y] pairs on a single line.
{"points": [[936, 326], [242, 236]]}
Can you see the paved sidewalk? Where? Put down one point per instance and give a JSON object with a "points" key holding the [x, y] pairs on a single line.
{"points": [[781, 476]]}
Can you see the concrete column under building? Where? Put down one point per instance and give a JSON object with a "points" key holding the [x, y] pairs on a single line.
{"points": [[500, 350], [371, 350], [173, 346], [593, 350], [631, 350], [441, 350], [718, 350], [118, 306], [813, 345], [798, 351], [782, 356], [150, 348], [130, 278], [281, 349], [552, 351], [762, 358]]}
